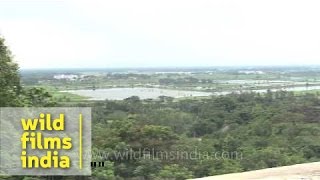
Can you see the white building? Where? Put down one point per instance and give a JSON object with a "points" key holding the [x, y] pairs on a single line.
{"points": [[66, 76]]}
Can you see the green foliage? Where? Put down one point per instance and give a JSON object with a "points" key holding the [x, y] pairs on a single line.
{"points": [[174, 171], [262, 131], [37, 97], [104, 173], [9, 77], [147, 168], [31, 178], [224, 167]]}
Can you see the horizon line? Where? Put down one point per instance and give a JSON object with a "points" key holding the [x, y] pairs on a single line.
{"points": [[169, 67]]}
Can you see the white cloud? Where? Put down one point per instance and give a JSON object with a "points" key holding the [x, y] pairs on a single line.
{"points": [[171, 33], [38, 44]]}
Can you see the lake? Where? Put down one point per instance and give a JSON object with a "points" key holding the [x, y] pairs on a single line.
{"points": [[143, 93]]}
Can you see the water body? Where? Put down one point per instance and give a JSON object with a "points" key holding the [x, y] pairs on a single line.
{"points": [[143, 93], [153, 93]]}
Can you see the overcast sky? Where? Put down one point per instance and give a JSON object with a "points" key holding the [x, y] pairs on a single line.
{"points": [[149, 33]]}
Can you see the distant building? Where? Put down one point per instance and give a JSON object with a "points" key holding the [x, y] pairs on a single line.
{"points": [[70, 77], [251, 72]]}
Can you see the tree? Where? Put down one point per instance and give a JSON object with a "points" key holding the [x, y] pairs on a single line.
{"points": [[37, 97], [225, 166], [106, 172], [147, 168], [9, 77], [176, 172]]}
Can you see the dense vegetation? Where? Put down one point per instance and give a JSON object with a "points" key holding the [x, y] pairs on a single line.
{"points": [[266, 131], [179, 139]]}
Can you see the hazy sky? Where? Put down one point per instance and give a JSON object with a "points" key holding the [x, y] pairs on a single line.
{"points": [[149, 33]]}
